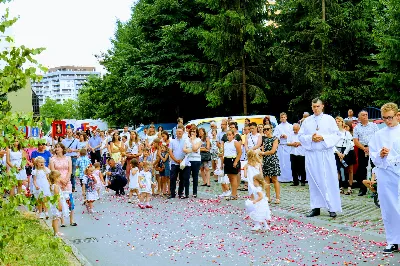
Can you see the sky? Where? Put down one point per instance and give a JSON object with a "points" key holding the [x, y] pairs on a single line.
{"points": [[72, 31]]}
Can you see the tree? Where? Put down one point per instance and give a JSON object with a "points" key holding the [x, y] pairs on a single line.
{"points": [[67, 110], [387, 38], [328, 56], [234, 39], [12, 78], [147, 65]]}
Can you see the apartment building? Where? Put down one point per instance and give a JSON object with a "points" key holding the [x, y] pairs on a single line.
{"points": [[62, 83]]}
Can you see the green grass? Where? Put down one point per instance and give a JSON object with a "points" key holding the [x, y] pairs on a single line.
{"points": [[37, 245]]}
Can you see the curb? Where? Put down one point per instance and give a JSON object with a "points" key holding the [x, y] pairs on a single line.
{"points": [[78, 255]]}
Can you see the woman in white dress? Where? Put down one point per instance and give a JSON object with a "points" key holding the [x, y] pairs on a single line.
{"points": [[15, 158]]}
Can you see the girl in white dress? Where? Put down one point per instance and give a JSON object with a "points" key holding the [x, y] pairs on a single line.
{"points": [[89, 188], [99, 177], [252, 168], [133, 179], [41, 186], [55, 210], [15, 158], [145, 186], [257, 206]]}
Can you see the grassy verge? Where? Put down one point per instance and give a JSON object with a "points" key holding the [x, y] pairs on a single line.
{"points": [[37, 246]]}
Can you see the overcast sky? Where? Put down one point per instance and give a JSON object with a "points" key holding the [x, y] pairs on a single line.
{"points": [[72, 31]]}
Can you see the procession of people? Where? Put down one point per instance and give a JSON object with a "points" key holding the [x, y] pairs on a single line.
{"points": [[318, 150]]}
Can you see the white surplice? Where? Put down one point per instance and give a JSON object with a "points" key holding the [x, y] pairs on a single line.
{"points": [[320, 161], [387, 171], [284, 151]]}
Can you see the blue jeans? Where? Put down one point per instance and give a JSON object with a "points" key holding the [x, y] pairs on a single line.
{"points": [[73, 159], [194, 169]]}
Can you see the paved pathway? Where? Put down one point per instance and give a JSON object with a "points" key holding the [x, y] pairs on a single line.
{"points": [[209, 231]]}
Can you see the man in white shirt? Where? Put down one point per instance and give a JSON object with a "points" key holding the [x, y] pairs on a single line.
{"points": [[363, 133], [179, 122], [126, 133], [213, 126], [350, 116], [297, 159], [319, 135], [282, 131], [224, 129], [385, 155]]}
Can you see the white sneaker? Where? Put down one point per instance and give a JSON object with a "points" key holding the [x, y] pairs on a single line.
{"points": [[222, 195], [42, 215], [256, 227], [266, 226], [47, 215], [228, 193]]}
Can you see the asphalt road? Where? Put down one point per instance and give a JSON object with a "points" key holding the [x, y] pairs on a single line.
{"points": [[208, 231]]}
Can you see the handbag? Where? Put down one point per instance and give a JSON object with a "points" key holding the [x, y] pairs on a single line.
{"points": [[205, 156]]}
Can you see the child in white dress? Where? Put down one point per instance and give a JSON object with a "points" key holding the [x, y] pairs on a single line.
{"points": [[252, 168], [56, 208], [145, 184], [99, 178], [41, 186], [89, 188], [257, 207], [133, 180]]}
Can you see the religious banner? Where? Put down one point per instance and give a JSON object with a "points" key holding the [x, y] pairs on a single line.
{"points": [[58, 128]]}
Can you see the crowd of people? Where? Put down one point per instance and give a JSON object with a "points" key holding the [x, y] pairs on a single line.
{"points": [[319, 149]]}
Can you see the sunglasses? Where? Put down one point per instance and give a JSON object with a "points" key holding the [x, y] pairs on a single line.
{"points": [[267, 129]]}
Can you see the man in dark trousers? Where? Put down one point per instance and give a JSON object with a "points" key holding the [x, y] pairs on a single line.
{"points": [[363, 133], [297, 159]]}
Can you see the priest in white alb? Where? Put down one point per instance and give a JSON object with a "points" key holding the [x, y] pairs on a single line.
{"points": [[384, 150], [282, 131], [318, 136]]}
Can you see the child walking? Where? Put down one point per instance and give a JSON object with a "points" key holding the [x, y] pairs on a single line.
{"points": [[257, 207], [56, 208], [133, 179], [41, 186], [82, 163], [145, 185], [89, 188], [99, 177]]}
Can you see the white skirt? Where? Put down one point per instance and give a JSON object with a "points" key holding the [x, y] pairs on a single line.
{"points": [[92, 195], [21, 175], [44, 187], [260, 211]]}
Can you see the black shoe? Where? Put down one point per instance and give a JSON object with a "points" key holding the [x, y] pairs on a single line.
{"points": [[390, 248], [184, 197], [294, 185], [303, 184], [204, 185], [362, 193], [332, 214], [215, 180], [314, 212]]}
